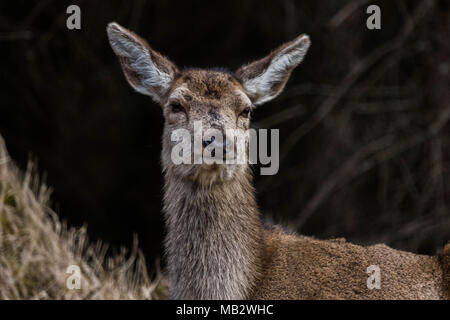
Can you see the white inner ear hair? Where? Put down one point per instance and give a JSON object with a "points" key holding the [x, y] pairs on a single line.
{"points": [[153, 81], [283, 62]]}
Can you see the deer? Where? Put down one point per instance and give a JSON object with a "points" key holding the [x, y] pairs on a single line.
{"points": [[217, 245]]}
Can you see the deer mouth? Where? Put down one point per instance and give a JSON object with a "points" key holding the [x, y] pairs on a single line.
{"points": [[208, 174]]}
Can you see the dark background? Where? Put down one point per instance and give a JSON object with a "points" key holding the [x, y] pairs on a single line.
{"points": [[364, 120]]}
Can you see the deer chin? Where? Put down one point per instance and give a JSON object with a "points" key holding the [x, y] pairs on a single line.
{"points": [[204, 174], [209, 174]]}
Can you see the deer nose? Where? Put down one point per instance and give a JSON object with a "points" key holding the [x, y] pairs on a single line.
{"points": [[207, 142], [226, 145]]}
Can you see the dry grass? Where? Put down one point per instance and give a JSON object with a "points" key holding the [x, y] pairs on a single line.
{"points": [[36, 249]]}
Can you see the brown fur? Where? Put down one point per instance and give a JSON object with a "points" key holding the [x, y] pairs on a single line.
{"points": [[304, 267], [216, 244]]}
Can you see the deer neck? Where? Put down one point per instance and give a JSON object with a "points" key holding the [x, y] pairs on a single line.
{"points": [[214, 238]]}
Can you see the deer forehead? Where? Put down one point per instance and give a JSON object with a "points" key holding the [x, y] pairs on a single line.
{"points": [[209, 87]]}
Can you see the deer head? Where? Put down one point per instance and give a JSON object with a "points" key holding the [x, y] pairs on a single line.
{"points": [[217, 100]]}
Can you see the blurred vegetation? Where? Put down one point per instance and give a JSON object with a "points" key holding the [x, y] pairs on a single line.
{"points": [[364, 120], [36, 250]]}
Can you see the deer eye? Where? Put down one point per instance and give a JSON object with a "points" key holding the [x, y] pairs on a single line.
{"points": [[176, 107], [246, 112]]}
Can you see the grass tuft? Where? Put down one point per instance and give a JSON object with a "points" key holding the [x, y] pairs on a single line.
{"points": [[36, 249]]}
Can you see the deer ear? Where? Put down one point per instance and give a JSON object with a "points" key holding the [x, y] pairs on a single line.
{"points": [[264, 79], [147, 71]]}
